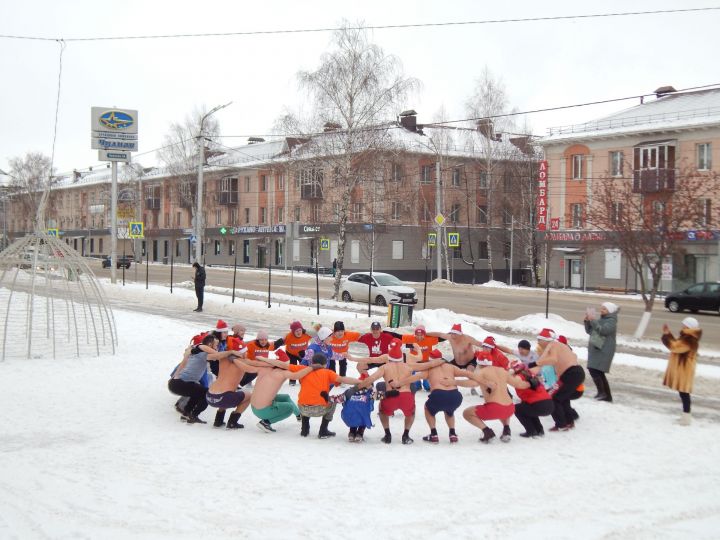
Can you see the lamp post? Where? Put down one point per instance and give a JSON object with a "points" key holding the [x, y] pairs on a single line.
{"points": [[201, 159]]}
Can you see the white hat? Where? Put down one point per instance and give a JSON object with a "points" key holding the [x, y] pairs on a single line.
{"points": [[691, 322], [484, 363], [324, 333], [612, 308]]}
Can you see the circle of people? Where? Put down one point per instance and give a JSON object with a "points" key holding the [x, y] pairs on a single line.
{"points": [[251, 373]]}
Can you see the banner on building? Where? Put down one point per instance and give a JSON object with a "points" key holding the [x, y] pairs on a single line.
{"points": [[555, 224], [542, 214]]}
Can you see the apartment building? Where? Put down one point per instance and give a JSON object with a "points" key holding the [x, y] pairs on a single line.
{"points": [[652, 147]]}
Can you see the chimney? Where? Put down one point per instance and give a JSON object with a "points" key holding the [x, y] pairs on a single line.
{"points": [[485, 126], [522, 144], [331, 126], [255, 140], [76, 175], [408, 120], [664, 90]]}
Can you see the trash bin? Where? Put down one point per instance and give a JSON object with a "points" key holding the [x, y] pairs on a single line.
{"points": [[165, 260], [399, 314]]}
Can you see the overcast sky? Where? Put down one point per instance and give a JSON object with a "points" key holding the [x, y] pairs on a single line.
{"points": [[542, 64]]}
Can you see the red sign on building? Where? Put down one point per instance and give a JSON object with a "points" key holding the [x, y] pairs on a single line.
{"points": [[542, 213], [555, 224]]}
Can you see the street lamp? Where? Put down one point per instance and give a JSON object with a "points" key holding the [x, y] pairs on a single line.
{"points": [[201, 159]]}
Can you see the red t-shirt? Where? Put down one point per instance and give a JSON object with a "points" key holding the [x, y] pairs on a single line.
{"points": [[528, 395], [377, 346]]}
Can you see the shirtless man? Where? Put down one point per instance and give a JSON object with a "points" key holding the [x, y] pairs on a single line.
{"points": [[396, 373], [444, 396], [266, 403], [224, 394], [463, 346], [498, 404]]}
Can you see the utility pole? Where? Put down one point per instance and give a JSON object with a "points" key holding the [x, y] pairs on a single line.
{"points": [[438, 211], [201, 160], [512, 238], [113, 224]]}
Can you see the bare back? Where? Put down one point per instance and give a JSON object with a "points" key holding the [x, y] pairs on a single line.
{"points": [[442, 377], [493, 382], [267, 385], [396, 371], [229, 376]]}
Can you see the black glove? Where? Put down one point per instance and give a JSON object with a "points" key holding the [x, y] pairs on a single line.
{"points": [[392, 393], [533, 382], [301, 354], [350, 392]]}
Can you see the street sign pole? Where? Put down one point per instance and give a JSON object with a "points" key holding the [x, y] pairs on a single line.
{"points": [[113, 224]]}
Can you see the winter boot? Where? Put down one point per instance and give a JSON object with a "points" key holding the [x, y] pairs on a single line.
{"points": [[324, 432], [488, 435], [304, 426], [192, 419], [220, 418], [505, 437], [360, 433], [685, 419], [233, 421], [406, 438], [601, 395]]}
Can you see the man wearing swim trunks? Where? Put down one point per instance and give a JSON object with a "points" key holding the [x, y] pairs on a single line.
{"points": [[498, 404], [396, 373], [463, 345]]}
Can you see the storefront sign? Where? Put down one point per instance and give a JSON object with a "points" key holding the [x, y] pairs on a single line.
{"points": [[257, 230], [555, 224], [542, 214], [578, 236]]}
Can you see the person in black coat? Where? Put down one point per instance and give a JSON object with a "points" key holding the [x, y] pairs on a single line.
{"points": [[199, 280]]}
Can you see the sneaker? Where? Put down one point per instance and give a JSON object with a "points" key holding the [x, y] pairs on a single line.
{"points": [[299, 418], [431, 439], [265, 426], [194, 420], [453, 438], [293, 383], [505, 437], [474, 392], [407, 440], [527, 435], [387, 439], [325, 434], [488, 435], [559, 428]]}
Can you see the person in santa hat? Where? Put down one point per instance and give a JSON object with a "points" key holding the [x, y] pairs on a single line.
{"points": [[490, 351], [463, 346]]}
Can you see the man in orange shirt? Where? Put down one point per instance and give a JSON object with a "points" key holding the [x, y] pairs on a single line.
{"points": [[295, 344], [425, 343], [313, 396], [260, 347], [340, 342]]}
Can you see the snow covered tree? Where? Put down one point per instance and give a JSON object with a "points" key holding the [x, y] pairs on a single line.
{"points": [[30, 176]]}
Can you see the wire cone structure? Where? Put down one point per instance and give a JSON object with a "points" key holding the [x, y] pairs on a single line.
{"points": [[51, 303]]}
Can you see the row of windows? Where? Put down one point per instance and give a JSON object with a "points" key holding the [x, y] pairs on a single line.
{"points": [[649, 157], [577, 213]]}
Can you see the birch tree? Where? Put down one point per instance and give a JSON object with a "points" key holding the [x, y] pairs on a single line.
{"points": [[30, 177]]}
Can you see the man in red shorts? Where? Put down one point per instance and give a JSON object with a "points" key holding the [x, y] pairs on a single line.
{"points": [[498, 404], [396, 372]]}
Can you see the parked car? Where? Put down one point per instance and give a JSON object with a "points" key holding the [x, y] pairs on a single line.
{"points": [[384, 288], [698, 297], [121, 261]]}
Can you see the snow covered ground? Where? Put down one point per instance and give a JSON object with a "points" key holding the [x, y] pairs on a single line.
{"points": [[93, 448]]}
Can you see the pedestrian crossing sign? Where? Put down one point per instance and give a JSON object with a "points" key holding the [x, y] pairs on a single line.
{"points": [[325, 244], [52, 232], [432, 239], [454, 239], [137, 229]]}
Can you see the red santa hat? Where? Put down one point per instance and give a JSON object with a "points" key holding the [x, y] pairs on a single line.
{"points": [[562, 339], [489, 342], [435, 354], [282, 355], [456, 329], [395, 350], [221, 326], [547, 334]]}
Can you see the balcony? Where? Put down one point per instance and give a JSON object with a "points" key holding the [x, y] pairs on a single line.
{"points": [[152, 204], [228, 197], [653, 180], [311, 191]]}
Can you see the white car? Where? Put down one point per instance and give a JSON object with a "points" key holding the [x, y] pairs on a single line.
{"points": [[384, 288]]}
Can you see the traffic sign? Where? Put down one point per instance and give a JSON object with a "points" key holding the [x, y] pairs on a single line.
{"points": [[324, 244], [440, 219], [454, 239], [432, 239], [53, 232], [137, 229]]}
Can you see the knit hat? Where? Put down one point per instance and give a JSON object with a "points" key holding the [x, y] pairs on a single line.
{"points": [[221, 326], [612, 308], [395, 350], [691, 322], [456, 329], [262, 334], [296, 325], [420, 329], [562, 339], [524, 344], [338, 326], [547, 334], [324, 333], [375, 325], [435, 354], [489, 342]]}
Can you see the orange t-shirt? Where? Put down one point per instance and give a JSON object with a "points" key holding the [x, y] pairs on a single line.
{"points": [[293, 345], [341, 345], [312, 384], [254, 349], [234, 343], [426, 344]]}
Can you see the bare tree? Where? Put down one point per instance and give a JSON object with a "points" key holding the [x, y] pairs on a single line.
{"points": [[647, 219], [355, 87], [30, 180]]}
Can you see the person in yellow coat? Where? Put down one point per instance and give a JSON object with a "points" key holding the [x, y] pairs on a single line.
{"points": [[680, 372]]}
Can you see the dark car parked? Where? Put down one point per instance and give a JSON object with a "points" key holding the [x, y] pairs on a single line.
{"points": [[698, 297], [121, 262]]}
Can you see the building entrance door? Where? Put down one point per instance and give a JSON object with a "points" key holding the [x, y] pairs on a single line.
{"points": [[576, 277]]}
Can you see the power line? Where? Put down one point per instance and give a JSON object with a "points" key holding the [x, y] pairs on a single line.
{"points": [[373, 27]]}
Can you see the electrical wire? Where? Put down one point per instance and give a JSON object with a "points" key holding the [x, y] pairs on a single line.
{"points": [[374, 27]]}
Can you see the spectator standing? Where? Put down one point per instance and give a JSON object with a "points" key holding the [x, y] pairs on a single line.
{"points": [[199, 279], [680, 372], [601, 346]]}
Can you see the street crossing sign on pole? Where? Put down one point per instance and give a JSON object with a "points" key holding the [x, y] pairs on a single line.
{"points": [[432, 239], [454, 239], [137, 229], [52, 232], [324, 244]]}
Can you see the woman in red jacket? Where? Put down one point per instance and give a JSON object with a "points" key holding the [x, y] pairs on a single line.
{"points": [[536, 402]]}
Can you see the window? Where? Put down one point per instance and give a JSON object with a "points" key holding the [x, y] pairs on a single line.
{"points": [[483, 180], [456, 177], [218, 247], [658, 208], [576, 212], [482, 250], [263, 182], [296, 213], [178, 219], [506, 250], [231, 247], [228, 192], [616, 213], [281, 214], [100, 245], [705, 212], [704, 159], [397, 249], [616, 163], [218, 217], [92, 245], [454, 216], [311, 183], [396, 209], [337, 177], [507, 183], [166, 248], [426, 174], [482, 215], [152, 197], [426, 215], [355, 251], [246, 251], [247, 184], [507, 217], [263, 215], [612, 264], [357, 211], [177, 248], [247, 215], [233, 216], [316, 209], [577, 166], [280, 182], [336, 211], [396, 172]]}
